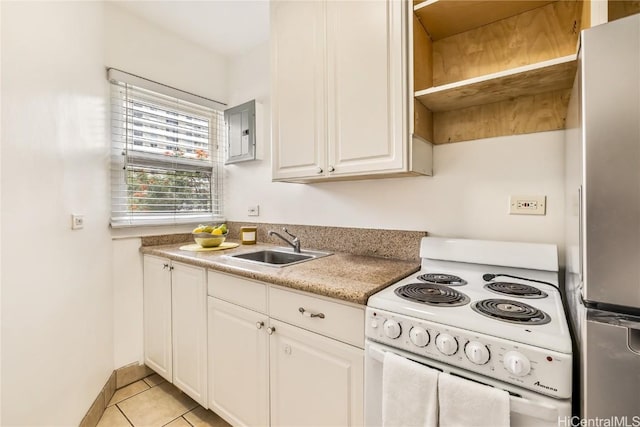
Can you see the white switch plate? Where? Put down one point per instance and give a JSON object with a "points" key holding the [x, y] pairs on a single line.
{"points": [[253, 210], [527, 205], [77, 222]]}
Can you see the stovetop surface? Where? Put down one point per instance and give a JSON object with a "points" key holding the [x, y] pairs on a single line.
{"points": [[553, 335]]}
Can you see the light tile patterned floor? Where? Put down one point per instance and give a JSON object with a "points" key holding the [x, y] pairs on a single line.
{"points": [[153, 402]]}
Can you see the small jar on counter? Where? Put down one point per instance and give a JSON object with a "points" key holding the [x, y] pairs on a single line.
{"points": [[248, 234]]}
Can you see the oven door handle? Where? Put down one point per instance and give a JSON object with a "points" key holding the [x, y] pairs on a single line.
{"points": [[533, 409], [518, 405], [378, 354]]}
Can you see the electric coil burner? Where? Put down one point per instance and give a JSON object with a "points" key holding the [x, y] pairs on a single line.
{"points": [[442, 279], [432, 294], [518, 290], [511, 311]]}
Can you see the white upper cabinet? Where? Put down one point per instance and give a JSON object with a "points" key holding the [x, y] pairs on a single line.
{"points": [[298, 88], [339, 92], [365, 87]]}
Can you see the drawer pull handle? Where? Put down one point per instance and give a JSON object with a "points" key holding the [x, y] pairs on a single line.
{"points": [[259, 325], [271, 330], [309, 314]]}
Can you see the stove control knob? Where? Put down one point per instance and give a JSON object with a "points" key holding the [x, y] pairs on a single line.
{"points": [[419, 336], [392, 329], [477, 352], [446, 344], [374, 324], [516, 363]]}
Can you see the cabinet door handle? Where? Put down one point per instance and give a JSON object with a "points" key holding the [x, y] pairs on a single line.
{"points": [[259, 325], [319, 170], [271, 330], [331, 169], [309, 314], [165, 266]]}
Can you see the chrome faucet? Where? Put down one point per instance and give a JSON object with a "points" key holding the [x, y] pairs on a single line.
{"points": [[295, 243]]}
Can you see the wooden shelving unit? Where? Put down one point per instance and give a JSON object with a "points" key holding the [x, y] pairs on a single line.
{"points": [[447, 18], [621, 8], [492, 68], [547, 76]]}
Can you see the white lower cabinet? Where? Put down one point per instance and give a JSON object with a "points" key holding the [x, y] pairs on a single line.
{"points": [[157, 316], [175, 324], [263, 371], [239, 364], [315, 380], [189, 330]]}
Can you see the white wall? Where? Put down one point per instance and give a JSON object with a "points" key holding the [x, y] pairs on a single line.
{"points": [[127, 301], [467, 197], [57, 304], [140, 47]]}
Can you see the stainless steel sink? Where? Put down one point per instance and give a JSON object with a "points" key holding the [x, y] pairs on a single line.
{"points": [[280, 257]]}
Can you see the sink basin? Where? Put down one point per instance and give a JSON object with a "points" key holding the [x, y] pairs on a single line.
{"points": [[279, 257]]}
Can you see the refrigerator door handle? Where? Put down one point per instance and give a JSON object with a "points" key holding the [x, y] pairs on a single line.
{"points": [[633, 340], [629, 324], [580, 238]]}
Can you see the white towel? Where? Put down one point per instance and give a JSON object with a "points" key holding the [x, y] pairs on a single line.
{"points": [[466, 403], [409, 393]]}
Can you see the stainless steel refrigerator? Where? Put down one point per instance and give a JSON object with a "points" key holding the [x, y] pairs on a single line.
{"points": [[603, 220]]}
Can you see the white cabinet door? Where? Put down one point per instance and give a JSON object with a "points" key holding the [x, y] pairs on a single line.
{"points": [[315, 381], [365, 88], [238, 364], [157, 315], [298, 108], [339, 105], [189, 320]]}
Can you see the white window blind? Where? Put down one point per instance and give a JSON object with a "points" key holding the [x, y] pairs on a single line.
{"points": [[167, 158]]}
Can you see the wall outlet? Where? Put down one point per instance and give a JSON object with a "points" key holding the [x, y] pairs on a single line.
{"points": [[253, 210], [527, 205], [77, 222]]}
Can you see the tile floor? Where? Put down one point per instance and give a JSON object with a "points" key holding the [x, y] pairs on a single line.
{"points": [[153, 402]]}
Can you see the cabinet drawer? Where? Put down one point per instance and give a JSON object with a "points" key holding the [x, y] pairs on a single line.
{"points": [[245, 293], [335, 320]]}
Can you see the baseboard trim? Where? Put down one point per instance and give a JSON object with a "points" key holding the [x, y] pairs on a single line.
{"points": [[119, 378]]}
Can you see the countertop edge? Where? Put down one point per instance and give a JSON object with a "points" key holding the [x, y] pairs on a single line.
{"points": [[359, 297]]}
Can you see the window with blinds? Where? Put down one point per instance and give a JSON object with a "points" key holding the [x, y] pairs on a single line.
{"points": [[167, 158]]}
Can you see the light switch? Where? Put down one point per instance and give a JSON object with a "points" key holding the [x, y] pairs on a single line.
{"points": [[77, 222], [253, 210]]}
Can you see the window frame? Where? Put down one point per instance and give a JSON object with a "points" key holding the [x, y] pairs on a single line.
{"points": [[127, 156]]}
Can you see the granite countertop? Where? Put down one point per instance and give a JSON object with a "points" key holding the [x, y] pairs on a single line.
{"points": [[347, 277]]}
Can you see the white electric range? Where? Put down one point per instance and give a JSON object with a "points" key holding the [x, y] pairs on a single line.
{"points": [[487, 311]]}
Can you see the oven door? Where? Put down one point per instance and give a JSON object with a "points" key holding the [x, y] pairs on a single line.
{"points": [[527, 408]]}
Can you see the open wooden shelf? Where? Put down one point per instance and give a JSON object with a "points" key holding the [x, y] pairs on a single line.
{"points": [[551, 75], [444, 18], [486, 68], [621, 9]]}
